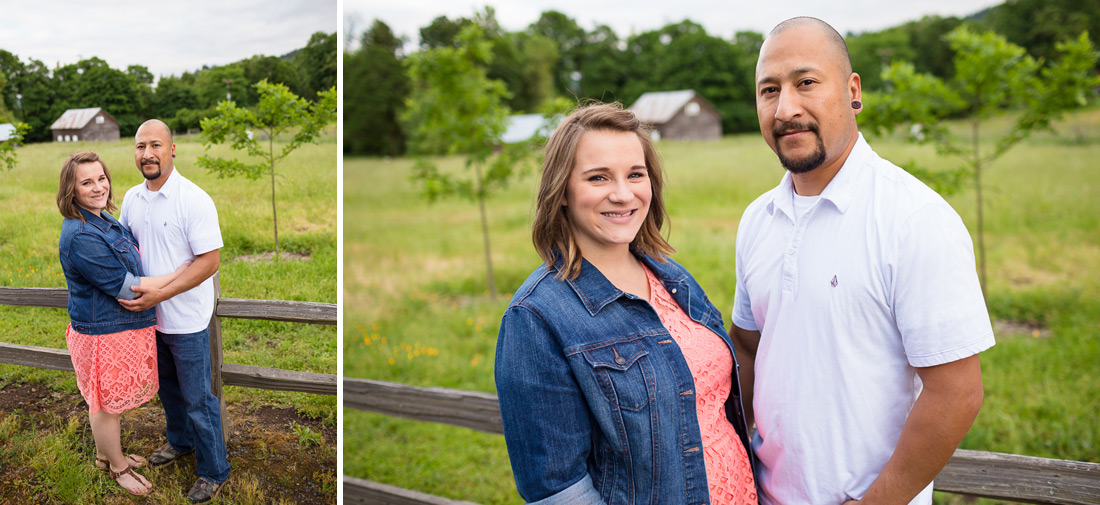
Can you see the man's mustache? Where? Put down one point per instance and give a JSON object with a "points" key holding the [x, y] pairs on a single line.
{"points": [[793, 127]]}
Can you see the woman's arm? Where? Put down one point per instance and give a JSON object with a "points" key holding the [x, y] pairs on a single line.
{"points": [[546, 418], [162, 280]]}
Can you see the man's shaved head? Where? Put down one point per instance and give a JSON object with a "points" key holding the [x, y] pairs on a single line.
{"points": [[161, 124], [831, 36]]}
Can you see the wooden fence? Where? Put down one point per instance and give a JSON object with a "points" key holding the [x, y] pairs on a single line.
{"points": [[1009, 477], [221, 373]]}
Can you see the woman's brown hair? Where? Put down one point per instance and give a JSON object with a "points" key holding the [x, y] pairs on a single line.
{"points": [[551, 232], [66, 188]]}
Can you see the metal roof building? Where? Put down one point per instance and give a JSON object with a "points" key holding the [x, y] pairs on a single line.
{"points": [[679, 115], [91, 124]]}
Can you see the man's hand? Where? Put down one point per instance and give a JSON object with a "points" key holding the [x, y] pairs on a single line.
{"points": [[146, 298]]}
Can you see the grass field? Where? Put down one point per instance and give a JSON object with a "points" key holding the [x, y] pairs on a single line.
{"points": [[416, 309], [307, 204]]}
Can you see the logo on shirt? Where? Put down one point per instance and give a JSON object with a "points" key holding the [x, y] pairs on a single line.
{"points": [[833, 282]]}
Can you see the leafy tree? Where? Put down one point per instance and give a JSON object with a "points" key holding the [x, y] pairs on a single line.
{"points": [[570, 39], [278, 112], [226, 82], [1040, 25], [8, 159], [171, 96], [602, 73], [990, 75], [456, 108], [317, 64], [375, 87]]}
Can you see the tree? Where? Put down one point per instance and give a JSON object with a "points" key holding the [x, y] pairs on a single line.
{"points": [[279, 111], [317, 64], [375, 87], [7, 147], [456, 108], [990, 75]]}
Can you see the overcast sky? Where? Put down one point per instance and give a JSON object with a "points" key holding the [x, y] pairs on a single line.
{"points": [[720, 18], [167, 37]]}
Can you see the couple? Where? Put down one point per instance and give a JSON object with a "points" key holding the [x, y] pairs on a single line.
{"points": [[120, 345], [857, 319]]}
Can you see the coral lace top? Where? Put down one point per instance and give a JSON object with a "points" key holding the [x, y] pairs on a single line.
{"points": [[116, 371], [729, 475]]}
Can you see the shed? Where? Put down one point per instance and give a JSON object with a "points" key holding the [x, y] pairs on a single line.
{"points": [[6, 131], [679, 115], [91, 124]]}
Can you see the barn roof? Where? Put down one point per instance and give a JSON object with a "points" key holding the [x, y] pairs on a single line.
{"points": [[660, 106], [75, 119], [6, 131]]}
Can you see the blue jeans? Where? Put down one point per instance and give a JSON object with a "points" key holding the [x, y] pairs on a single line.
{"points": [[191, 411]]}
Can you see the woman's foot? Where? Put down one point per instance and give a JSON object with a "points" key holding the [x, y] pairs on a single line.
{"points": [[132, 481], [102, 463]]}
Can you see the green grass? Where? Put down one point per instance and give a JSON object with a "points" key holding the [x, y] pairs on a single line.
{"points": [[416, 309], [307, 202]]}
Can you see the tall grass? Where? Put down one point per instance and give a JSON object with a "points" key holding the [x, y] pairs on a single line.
{"points": [[307, 201], [416, 310]]}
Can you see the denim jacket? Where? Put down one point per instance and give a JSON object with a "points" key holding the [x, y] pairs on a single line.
{"points": [[597, 398], [100, 260]]}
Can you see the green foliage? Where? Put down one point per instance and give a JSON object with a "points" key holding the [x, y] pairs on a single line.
{"points": [[279, 112], [8, 159], [306, 436], [371, 111], [991, 74], [455, 108]]}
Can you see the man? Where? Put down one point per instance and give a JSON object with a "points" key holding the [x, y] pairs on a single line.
{"points": [[175, 222], [858, 318]]}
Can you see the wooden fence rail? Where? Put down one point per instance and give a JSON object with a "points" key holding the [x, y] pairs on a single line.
{"points": [[221, 373], [1009, 477]]}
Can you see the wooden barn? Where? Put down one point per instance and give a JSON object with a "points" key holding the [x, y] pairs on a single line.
{"points": [[679, 115], [92, 124]]}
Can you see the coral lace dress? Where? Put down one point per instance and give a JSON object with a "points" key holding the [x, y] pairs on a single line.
{"points": [[116, 371], [729, 475]]}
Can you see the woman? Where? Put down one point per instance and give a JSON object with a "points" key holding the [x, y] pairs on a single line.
{"points": [[113, 350], [616, 379]]}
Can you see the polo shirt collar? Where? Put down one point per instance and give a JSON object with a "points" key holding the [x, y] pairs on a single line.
{"points": [[170, 187], [103, 221], [839, 191]]}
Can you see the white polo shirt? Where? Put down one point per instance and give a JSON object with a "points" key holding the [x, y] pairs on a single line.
{"points": [[875, 278], [173, 226]]}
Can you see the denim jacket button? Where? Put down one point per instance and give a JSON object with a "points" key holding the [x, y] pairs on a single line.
{"points": [[620, 360], [673, 290]]}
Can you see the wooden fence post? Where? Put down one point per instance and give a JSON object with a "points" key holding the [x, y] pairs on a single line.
{"points": [[216, 356]]}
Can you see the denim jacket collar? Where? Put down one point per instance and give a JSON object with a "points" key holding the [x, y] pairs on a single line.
{"points": [[596, 292], [103, 221]]}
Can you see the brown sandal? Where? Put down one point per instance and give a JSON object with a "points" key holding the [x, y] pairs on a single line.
{"points": [[115, 476], [105, 464]]}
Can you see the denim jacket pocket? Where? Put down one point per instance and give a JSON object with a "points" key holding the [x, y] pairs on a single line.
{"points": [[624, 373], [124, 248]]}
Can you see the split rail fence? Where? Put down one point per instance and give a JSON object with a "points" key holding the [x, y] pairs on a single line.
{"points": [[221, 373], [1008, 477]]}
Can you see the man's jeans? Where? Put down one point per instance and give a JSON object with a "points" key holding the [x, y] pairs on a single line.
{"points": [[192, 413]]}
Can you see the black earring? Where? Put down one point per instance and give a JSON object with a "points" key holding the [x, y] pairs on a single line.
{"points": [[856, 104]]}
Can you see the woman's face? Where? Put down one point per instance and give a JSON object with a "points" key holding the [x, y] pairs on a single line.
{"points": [[608, 192], [92, 187]]}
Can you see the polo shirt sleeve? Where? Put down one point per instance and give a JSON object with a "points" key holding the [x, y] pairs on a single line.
{"points": [[203, 233], [937, 299], [96, 262]]}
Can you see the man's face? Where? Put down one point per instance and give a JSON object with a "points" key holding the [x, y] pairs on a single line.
{"points": [[803, 98], [153, 151]]}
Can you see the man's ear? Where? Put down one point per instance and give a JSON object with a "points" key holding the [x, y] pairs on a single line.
{"points": [[856, 91]]}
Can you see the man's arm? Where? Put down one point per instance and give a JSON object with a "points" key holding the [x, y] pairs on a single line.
{"points": [[745, 343], [201, 269], [947, 405]]}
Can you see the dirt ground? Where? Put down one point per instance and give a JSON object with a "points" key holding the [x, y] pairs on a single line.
{"points": [[266, 453]]}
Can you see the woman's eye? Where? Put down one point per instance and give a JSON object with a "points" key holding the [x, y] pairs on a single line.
{"points": [[597, 178]]}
